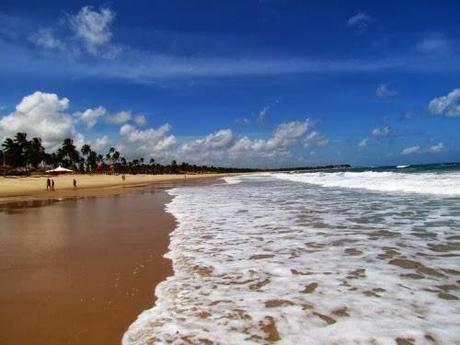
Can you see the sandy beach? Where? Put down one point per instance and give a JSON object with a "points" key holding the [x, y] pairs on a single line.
{"points": [[80, 270], [34, 188]]}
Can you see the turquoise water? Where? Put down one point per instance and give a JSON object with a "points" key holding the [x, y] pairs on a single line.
{"points": [[415, 168]]}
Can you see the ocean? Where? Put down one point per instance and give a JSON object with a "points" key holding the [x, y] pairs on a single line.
{"points": [[362, 256]]}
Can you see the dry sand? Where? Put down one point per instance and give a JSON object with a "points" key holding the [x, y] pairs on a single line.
{"points": [[31, 188], [80, 270]]}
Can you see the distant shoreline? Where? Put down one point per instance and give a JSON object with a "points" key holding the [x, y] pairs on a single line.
{"points": [[16, 189]]}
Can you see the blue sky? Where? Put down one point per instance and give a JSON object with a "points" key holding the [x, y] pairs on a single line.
{"points": [[246, 83]]}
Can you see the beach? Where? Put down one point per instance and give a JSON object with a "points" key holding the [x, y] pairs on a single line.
{"points": [[80, 270], [14, 188], [355, 257]]}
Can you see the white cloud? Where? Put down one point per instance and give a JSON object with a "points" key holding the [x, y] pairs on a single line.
{"points": [[140, 120], [92, 28], [46, 39], [410, 150], [209, 149], [286, 133], [448, 105], [41, 115], [359, 21], [439, 147], [363, 143], [384, 91], [100, 144], [436, 148], [224, 147], [382, 132], [120, 117], [151, 142], [44, 115], [91, 116], [314, 139]]}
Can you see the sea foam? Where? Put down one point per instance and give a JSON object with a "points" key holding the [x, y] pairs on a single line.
{"points": [[422, 183], [261, 260]]}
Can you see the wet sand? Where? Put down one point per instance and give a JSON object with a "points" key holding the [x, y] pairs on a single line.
{"points": [[79, 271]]}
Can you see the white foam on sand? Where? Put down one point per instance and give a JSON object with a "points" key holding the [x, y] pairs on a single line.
{"points": [[263, 260], [424, 183]]}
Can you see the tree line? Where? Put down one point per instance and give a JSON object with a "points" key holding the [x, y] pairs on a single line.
{"points": [[19, 155]]}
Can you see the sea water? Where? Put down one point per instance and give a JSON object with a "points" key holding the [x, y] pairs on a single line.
{"points": [[351, 257]]}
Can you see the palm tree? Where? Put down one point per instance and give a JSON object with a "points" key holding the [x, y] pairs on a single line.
{"points": [[115, 157], [12, 152], [109, 154], [85, 150], [22, 145], [92, 160], [68, 153], [35, 152], [21, 139]]}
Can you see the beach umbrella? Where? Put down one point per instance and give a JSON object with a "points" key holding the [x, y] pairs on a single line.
{"points": [[59, 170]]}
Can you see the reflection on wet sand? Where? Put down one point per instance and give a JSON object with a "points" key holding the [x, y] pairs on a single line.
{"points": [[79, 271]]}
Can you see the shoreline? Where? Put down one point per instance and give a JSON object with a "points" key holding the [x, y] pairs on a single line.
{"points": [[19, 189], [82, 269]]}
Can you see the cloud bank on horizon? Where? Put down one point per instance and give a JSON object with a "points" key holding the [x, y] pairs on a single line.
{"points": [[191, 84], [45, 115]]}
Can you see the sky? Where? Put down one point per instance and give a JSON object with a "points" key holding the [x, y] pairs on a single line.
{"points": [[246, 83]]}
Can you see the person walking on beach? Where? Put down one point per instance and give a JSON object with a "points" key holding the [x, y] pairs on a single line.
{"points": [[74, 183], [48, 184], [52, 184]]}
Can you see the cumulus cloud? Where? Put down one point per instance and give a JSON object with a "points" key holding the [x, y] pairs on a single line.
{"points": [[45, 115], [151, 142], [100, 144], [410, 150], [93, 29], [140, 120], [211, 148], [120, 117], [448, 105], [41, 115], [224, 146], [363, 143], [359, 21], [91, 116], [382, 132], [384, 91]]}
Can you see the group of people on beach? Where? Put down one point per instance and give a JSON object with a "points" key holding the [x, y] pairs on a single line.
{"points": [[50, 184]]}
